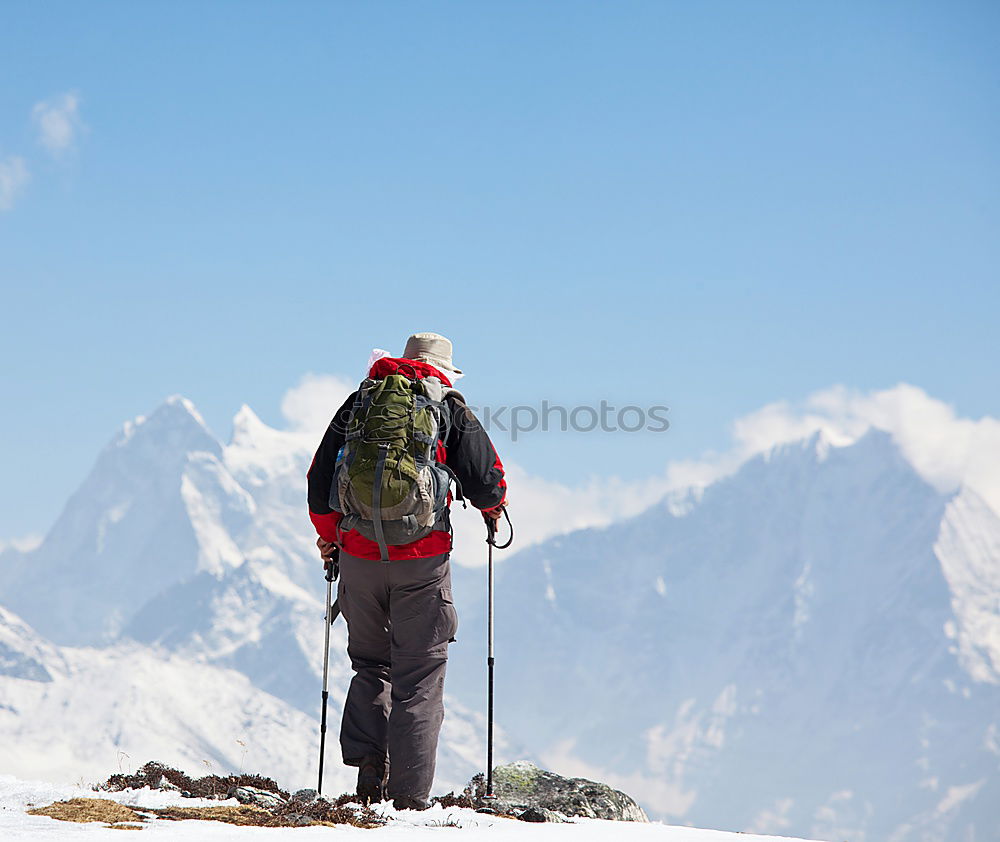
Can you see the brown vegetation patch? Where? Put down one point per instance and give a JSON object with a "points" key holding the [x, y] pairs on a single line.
{"points": [[341, 811], [244, 815], [210, 786], [292, 813], [87, 810], [297, 815], [452, 800]]}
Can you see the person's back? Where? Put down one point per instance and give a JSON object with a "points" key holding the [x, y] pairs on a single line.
{"points": [[396, 597]]}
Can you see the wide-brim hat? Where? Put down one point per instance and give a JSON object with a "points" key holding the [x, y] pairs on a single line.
{"points": [[432, 348]]}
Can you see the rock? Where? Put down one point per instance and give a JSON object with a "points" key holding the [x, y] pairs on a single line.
{"points": [[306, 795], [164, 784], [257, 797], [540, 814], [298, 819], [522, 785]]}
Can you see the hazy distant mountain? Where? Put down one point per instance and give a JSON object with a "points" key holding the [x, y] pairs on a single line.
{"points": [[812, 648]]}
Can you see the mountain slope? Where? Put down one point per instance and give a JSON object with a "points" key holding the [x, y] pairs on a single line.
{"points": [[203, 551], [793, 633], [71, 713], [157, 507]]}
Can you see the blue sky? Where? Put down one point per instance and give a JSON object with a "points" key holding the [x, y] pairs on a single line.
{"points": [[705, 205]]}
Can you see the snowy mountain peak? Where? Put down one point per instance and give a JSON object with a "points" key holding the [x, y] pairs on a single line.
{"points": [[821, 444], [810, 450], [181, 403], [789, 474], [157, 506], [175, 423], [258, 453], [247, 426]]}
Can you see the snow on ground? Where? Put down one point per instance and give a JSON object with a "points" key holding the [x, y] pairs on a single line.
{"points": [[16, 796]]}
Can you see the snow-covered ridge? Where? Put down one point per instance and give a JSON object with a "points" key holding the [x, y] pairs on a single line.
{"points": [[947, 450], [81, 713], [968, 547]]}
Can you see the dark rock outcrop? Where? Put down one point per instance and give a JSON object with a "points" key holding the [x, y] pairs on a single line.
{"points": [[540, 814], [525, 791], [257, 797]]}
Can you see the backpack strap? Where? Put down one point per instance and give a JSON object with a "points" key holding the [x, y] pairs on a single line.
{"points": [[446, 410], [437, 393], [377, 503], [458, 484]]}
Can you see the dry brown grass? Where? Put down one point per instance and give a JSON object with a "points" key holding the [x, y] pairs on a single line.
{"points": [[245, 814], [259, 817], [295, 814], [292, 813], [88, 810]]}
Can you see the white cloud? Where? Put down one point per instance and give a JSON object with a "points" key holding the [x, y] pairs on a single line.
{"points": [[773, 819], [541, 508], [310, 404], [58, 122], [13, 177], [24, 544], [947, 450]]}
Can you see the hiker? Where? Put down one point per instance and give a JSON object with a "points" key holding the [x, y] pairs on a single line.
{"points": [[395, 581]]}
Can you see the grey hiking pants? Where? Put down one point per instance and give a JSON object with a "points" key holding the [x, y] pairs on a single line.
{"points": [[400, 619]]}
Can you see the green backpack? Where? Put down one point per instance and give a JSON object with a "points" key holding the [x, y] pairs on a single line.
{"points": [[387, 483]]}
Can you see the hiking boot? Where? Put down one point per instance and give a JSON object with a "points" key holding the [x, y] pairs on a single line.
{"points": [[408, 802], [372, 775]]}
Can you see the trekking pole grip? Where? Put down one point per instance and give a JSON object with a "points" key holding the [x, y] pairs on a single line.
{"points": [[491, 531], [331, 566]]}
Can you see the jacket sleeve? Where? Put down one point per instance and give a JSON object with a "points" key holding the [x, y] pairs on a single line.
{"points": [[472, 456], [320, 476]]}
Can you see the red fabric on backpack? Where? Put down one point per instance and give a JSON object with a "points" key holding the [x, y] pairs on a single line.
{"points": [[414, 369]]}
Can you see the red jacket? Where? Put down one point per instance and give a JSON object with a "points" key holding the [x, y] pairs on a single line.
{"points": [[468, 451]]}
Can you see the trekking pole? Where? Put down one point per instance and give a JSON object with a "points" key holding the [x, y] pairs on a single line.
{"points": [[332, 567], [491, 540]]}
